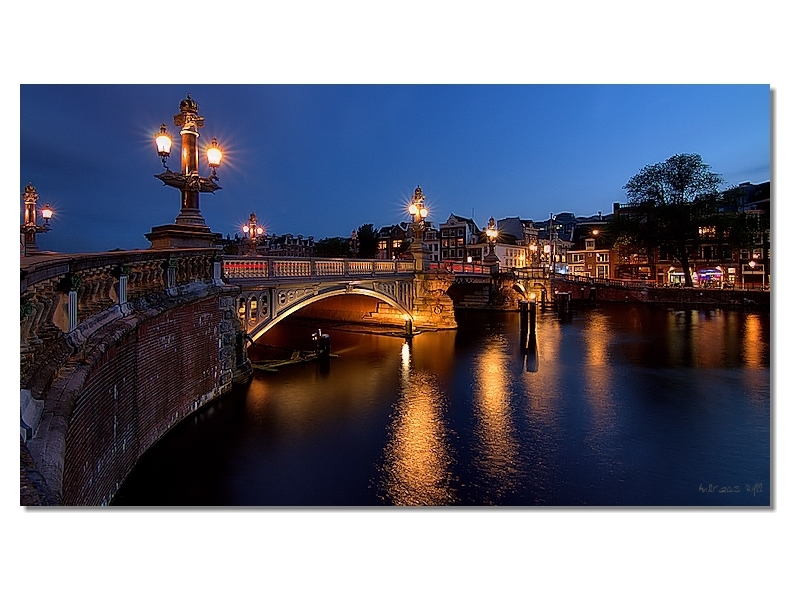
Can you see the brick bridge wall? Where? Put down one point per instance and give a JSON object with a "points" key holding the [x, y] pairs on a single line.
{"points": [[145, 382], [123, 378]]}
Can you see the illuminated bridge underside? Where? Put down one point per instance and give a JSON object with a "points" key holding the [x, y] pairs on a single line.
{"points": [[274, 288], [261, 307]]}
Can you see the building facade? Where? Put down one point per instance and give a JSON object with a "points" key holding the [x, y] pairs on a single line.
{"points": [[456, 235]]}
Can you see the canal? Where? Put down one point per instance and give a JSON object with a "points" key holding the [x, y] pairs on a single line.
{"points": [[629, 405]]}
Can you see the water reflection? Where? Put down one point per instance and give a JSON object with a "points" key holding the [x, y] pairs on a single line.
{"points": [[541, 398], [496, 447], [417, 457], [754, 346], [598, 370], [631, 406], [597, 382]]}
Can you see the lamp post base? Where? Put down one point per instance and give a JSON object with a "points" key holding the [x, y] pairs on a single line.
{"points": [[181, 236]]}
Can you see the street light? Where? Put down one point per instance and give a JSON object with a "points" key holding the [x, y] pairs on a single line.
{"points": [[418, 213], [417, 208], [533, 249], [188, 181], [30, 227], [253, 230], [492, 233]]}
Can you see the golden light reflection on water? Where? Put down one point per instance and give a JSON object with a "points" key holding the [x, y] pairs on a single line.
{"points": [[496, 456], [417, 458], [541, 395], [598, 373], [753, 343]]}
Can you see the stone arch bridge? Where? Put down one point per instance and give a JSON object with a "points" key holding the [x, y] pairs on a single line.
{"points": [[274, 288]]}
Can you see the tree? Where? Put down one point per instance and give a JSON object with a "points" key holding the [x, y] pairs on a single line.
{"points": [[332, 247], [368, 240], [669, 202]]}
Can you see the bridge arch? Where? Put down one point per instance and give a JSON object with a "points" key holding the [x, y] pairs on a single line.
{"points": [[264, 325]]}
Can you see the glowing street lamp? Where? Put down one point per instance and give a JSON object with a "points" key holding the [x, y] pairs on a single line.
{"points": [[417, 208], [533, 252], [30, 227], [492, 233], [253, 230], [418, 213], [188, 181], [164, 142]]}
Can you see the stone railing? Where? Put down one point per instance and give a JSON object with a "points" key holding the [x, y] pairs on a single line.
{"points": [[57, 293], [297, 268]]}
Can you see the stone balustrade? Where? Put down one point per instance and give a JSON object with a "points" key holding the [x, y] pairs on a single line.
{"points": [[300, 268], [59, 292]]}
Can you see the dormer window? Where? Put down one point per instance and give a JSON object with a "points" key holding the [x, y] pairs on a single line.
{"points": [[589, 244]]}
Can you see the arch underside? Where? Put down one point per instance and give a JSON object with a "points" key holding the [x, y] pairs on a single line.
{"points": [[523, 288], [281, 312]]}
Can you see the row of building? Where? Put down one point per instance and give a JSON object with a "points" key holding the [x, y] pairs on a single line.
{"points": [[568, 244]]}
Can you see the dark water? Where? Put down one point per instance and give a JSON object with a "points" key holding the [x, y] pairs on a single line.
{"points": [[631, 406]]}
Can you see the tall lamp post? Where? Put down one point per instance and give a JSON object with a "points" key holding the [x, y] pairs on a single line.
{"points": [[492, 233], [553, 241], [253, 230], [190, 229], [30, 227], [418, 214]]}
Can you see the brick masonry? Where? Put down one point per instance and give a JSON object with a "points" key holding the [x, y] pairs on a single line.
{"points": [[141, 375]]}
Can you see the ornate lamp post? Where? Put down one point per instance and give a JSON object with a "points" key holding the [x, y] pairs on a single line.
{"points": [[533, 254], [190, 229], [253, 230], [492, 233], [353, 244], [30, 227], [418, 214], [553, 241]]}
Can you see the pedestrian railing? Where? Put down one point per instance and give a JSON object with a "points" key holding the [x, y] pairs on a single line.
{"points": [[300, 268]]}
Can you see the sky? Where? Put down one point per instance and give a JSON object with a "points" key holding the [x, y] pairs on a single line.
{"points": [[321, 160]]}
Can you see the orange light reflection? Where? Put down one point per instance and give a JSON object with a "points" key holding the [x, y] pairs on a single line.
{"points": [[417, 457]]}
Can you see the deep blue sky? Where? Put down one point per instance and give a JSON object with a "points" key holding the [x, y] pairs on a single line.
{"points": [[321, 160]]}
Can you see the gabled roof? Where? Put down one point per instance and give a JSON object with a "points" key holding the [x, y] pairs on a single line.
{"points": [[512, 226], [460, 219]]}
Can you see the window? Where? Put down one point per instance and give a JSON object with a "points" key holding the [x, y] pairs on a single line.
{"points": [[577, 257], [396, 244], [602, 271], [253, 310], [602, 257], [382, 244], [589, 244]]}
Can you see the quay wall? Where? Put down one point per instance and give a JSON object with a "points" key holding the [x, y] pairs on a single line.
{"points": [[664, 295]]}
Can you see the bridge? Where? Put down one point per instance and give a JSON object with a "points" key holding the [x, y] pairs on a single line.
{"points": [[274, 288], [118, 347]]}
